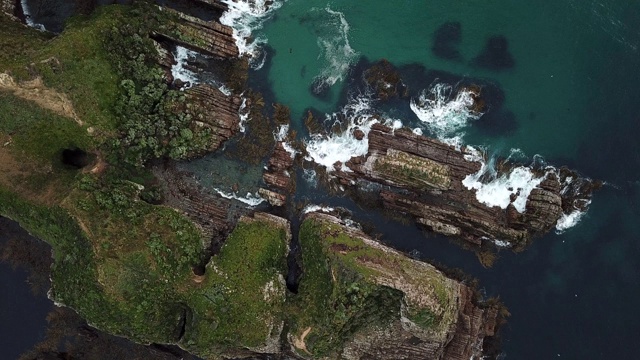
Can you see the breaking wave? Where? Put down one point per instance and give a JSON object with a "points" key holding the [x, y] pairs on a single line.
{"points": [[179, 72], [568, 221], [244, 17], [326, 150], [316, 208], [445, 113], [243, 114], [494, 190], [335, 50], [281, 136], [250, 199], [27, 17]]}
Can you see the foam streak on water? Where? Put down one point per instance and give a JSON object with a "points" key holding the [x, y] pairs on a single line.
{"points": [[327, 150], [28, 19], [243, 114], [250, 199], [444, 114], [178, 71], [335, 50], [245, 17]]}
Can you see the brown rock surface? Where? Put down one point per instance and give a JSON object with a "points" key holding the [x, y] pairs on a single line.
{"points": [[425, 180], [206, 37], [463, 327], [213, 109]]}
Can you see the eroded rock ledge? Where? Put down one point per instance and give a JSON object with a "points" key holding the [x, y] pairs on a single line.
{"points": [[423, 177], [424, 314]]}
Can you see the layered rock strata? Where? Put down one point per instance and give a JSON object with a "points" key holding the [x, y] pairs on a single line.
{"points": [[438, 317], [423, 177], [277, 176], [212, 109], [207, 37]]}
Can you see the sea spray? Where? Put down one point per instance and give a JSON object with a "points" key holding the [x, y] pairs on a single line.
{"points": [[326, 150], [245, 17], [335, 50], [497, 190], [250, 199], [28, 18], [243, 114], [178, 70], [281, 136], [445, 114], [568, 221]]}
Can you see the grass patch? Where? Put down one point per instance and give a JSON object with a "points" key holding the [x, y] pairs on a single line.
{"points": [[240, 304], [335, 299], [349, 285]]}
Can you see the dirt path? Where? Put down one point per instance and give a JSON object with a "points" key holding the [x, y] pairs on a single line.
{"points": [[34, 90], [299, 342]]}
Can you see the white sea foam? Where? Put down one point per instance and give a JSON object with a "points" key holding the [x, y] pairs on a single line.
{"points": [[28, 19], [225, 90], [281, 135], [326, 150], [498, 191], [250, 199], [309, 175], [245, 17], [178, 71], [567, 221], [445, 113], [314, 208], [282, 132], [243, 113], [417, 131], [335, 50]]}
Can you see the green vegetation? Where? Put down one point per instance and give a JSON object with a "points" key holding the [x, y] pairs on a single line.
{"points": [[349, 285], [414, 171], [335, 299], [153, 118], [240, 303]]}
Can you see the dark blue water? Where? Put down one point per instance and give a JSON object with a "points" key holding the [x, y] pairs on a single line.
{"points": [[23, 313]]}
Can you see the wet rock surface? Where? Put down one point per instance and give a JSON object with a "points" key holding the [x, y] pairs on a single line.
{"points": [[423, 178]]}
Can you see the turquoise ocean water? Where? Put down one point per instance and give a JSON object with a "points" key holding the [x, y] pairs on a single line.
{"points": [[568, 72]]}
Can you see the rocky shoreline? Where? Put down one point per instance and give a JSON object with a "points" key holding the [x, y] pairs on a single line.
{"points": [[378, 302], [424, 177]]}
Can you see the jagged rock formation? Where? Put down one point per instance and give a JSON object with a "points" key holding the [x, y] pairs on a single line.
{"points": [[278, 173], [213, 214], [212, 109], [439, 318], [207, 37], [424, 179], [277, 176]]}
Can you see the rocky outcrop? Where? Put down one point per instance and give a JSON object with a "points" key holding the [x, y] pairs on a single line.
{"points": [[8, 7], [384, 80], [423, 178], [456, 325], [277, 176], [207, 37], [214, 215], [212, 109]]}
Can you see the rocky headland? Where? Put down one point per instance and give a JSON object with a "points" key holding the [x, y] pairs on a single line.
{"points": [[425, 178]]}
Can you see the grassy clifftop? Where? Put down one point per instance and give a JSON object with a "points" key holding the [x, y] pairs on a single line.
{"points": [[352, 284]]}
